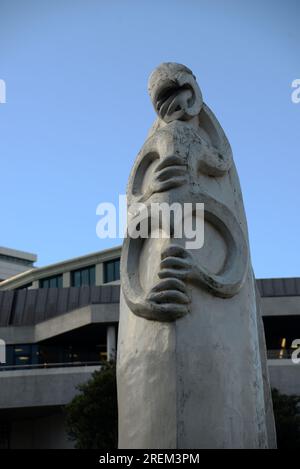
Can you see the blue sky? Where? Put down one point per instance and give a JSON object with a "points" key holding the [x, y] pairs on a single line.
{"points": [[78, 112]]}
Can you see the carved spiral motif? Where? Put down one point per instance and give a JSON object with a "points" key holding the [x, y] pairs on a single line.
{"points": [[169, 163]]}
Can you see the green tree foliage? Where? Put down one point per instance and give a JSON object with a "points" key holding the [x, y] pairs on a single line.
{"points": [[92, 416], [287, 419]]}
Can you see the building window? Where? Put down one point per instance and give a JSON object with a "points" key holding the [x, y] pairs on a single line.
{"points": [[88, 349], [112, 271], [280, 334], [21, 355], [83, 277], [52, 282]]}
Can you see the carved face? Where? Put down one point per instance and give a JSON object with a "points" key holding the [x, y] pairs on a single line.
{"points": [[174, 92]]}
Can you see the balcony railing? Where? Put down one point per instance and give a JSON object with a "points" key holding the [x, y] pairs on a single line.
{"points": [[273, 354], [279, 354], [43, 366]]}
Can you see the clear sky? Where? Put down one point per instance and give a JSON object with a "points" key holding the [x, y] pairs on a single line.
{"points": [[77, 112]]}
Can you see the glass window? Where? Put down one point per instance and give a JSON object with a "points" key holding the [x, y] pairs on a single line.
{"points": [[22, 349], [76, 278], [27, 355], [109, 272], [112, 271], [52, 282], [22, 354], [85, 276], [92, 273], [280, 333]]}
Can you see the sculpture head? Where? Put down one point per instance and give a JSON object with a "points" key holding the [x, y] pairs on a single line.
{"points": [[174, 92]]}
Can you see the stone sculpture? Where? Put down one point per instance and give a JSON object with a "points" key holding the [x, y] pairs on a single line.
{"points": [[191, 355]]}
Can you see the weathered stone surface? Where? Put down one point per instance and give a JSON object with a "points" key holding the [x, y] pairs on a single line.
{"points": [[191, 355]]}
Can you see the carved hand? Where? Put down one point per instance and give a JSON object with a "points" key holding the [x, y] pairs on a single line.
{"points": [[176, 263], [170, 172], [169, 297]]}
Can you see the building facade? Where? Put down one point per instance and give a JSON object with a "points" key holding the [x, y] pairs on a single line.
{"points": [[60, 322], [13, 262]]}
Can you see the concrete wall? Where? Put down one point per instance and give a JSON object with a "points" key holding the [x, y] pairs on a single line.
{"points": [[280, 306], [91, 314], [41, 387]]}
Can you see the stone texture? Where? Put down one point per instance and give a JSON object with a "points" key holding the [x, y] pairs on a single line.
{"points": [[191, 355]]}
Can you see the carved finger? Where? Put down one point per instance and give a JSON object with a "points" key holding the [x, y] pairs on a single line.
{"points": [[163, 109], [169, 296], [169, 284], [175, 273], [174, 250], [178, 103], [174, 262], [169, 184], [170, 172], [168, 311], [172, 160]]}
